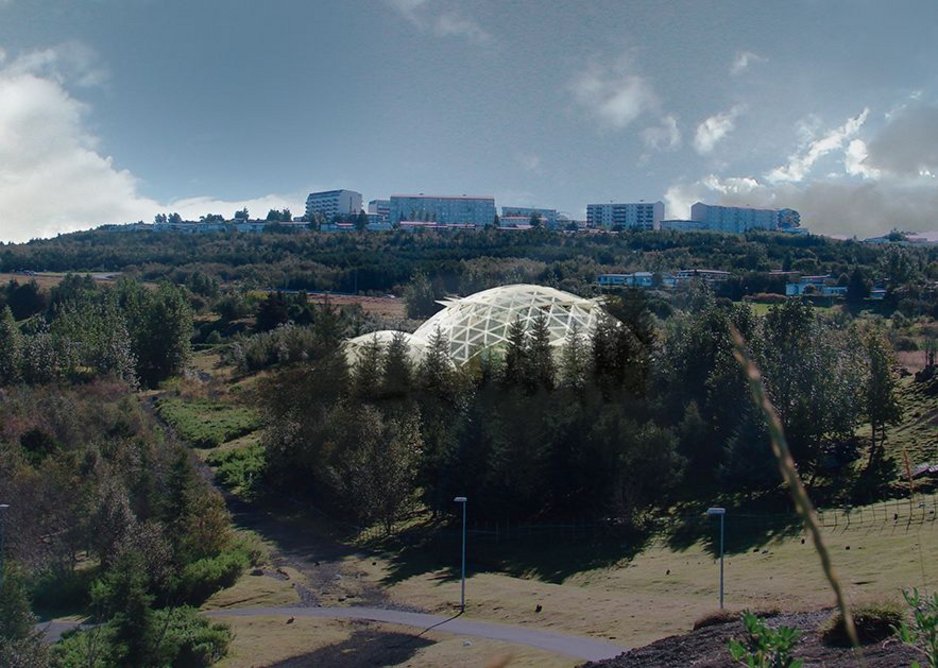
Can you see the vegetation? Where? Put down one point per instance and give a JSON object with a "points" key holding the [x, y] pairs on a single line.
{"points": [[874, 622], [922, 632], [765, 647], [206, 423]]}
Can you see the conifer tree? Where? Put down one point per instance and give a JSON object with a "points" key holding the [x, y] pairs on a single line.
{"points": [[11, 348]]}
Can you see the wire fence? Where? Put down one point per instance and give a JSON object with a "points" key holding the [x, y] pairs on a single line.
{"points": [[916, 513]]}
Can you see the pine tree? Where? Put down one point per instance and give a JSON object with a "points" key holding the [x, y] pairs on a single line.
{"points": [[540, 372], [11, 348]]}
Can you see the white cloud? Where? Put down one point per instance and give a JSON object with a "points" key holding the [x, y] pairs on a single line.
{"points": [[743, 60], [444, 21], [800, 164], [665, 136], [855, 160], [614, 95], [715, 128], [52, 177]]}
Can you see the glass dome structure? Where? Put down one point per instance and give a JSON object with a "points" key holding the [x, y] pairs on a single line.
{"points": [[480, 321]]}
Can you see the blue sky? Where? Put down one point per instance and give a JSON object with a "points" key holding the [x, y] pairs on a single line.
{"points": [[114, 110]]}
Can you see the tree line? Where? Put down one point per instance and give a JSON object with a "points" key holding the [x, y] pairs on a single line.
{"points": [[619, 422], [467, 261]]}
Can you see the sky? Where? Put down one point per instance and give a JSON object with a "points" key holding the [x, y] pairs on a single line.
{"points": [[112, 111]]}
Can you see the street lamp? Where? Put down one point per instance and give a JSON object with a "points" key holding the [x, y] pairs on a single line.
{"points": [[3, 506], [462, 597], [722, 513]]}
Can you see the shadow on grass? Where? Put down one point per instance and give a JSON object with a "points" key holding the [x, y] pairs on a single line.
{"points": [[533, 552], [366, 647], [747, 526]]}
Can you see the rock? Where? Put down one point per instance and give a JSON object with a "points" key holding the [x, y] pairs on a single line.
{"points": [[538, 608]]}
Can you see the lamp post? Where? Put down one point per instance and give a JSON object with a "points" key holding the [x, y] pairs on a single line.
{"points": [[722, 513], [3, 507], [462, 596]]}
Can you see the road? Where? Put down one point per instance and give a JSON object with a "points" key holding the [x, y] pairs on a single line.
{"points": [[578, 647]]}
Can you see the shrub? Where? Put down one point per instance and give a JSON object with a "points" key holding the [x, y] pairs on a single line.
{"points": [[190, 641], [765, 647], [922, 633], [204, 577], [239, 470], [874, 623]]}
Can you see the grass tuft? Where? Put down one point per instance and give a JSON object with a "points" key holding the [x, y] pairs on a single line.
{"points": [[874, 623]]}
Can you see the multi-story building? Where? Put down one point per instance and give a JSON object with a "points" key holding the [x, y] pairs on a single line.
{"points": [[683, 225], [735, 219], [443, 210], [381, 209], [332, 204], [622, 215], [548, 216]]}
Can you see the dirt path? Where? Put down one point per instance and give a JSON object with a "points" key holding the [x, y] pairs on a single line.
{"points": [[575, 646]]}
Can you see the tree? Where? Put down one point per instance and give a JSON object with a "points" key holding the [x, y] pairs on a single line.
{"points": [[535, 220], [420, 297], [516, 363], [242, 215], [540, 371], [574, 360], [858, 288], [361, 221], [882, 404], [398, 369], [20, 645], [11, 348]]}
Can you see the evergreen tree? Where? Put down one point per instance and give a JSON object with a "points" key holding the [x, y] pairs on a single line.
{"points": [[516, 355], [397, 380], [11, 348], [574, 360], [540, 369], [368, 371]]}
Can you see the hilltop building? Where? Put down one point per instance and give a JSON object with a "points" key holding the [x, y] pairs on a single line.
{"points": [[332, 204], [379, 211], [442, 210], [739, 219], [549, 217], [625, 215]]}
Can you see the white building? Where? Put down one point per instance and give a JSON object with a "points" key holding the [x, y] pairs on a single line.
{"points": [[381, 209], [333, 203], [625, 215], [548, 216], [734, 219], [443, 210]]}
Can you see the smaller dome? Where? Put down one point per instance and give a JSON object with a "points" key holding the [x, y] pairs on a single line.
{"points": [[416, 346]]}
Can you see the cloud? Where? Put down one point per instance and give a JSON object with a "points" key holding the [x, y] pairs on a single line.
{"points": [[616, 96], [442, 20], [800, 164], [743, 60], [52, 177], [908, 145], [70, 62], [663, 137], [715, 128], [833, 205]]}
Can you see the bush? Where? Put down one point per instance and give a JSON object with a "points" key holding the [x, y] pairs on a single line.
{"points": [[191, 641], [239, 470], [204, 577], [874, 623]]}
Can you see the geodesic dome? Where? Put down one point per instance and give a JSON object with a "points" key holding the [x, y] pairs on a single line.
{"points": [[353, 347], [480, 321]]}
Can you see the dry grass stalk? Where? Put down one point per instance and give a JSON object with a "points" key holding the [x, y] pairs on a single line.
{"points": [[786, 465]]}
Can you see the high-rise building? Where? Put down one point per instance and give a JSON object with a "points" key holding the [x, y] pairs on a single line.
{"points": [[623, 215], [735, 219], [332, 204], [381, 209], [442, 210]]}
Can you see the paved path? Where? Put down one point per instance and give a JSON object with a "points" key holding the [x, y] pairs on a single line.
{"points": [[579, 647]]}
